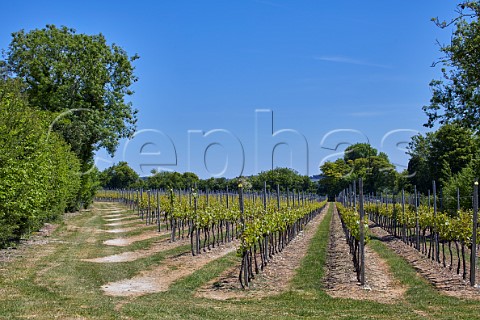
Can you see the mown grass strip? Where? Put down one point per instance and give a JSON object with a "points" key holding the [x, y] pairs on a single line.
{"points": [[310, 274], [421, 295]]}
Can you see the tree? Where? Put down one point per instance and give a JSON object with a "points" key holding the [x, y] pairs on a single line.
{"points": [[419, 172], [456, 98], [286, 178], [166, 180], [82, 79], [336, 176], [463, 182], [189, 179], [452, 148], [360, 161], [359, 150], [119, 176], [440, 154]]}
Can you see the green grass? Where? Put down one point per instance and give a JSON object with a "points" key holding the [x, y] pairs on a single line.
{"points": [[51, 282]]}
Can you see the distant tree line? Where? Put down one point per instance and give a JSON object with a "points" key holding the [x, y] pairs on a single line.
{"points": [[122, 176]]}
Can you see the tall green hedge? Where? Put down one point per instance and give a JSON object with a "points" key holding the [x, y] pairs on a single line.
{"points": [[39, 175]]}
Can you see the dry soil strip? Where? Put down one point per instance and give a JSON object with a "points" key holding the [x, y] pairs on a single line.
{"points": [[117, 215], [276, 276], [160, 278], [446, 281], [121, 230], [110, 210], [95, 230], [123, 242], [158, 246], [341, 278], [120, 223], [132, 225], [118, 219]]}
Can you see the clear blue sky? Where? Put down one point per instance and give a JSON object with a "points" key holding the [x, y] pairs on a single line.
{"points": [[332, 72]]}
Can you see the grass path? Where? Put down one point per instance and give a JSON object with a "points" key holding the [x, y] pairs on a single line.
{"points": [[50, 281]]}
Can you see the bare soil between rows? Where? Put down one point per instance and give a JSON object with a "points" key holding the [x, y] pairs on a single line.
{"points": [[341, 278], [443, 279], [276, 276]]}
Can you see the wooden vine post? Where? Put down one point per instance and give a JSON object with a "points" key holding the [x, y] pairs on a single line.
{"points": [[149, 210], [417, 224], [244, 271], [140, 209], [196, 248], [158, 210], [265, 196], [278, 196], [404, 223], [362, 233], [240, 199], [473, 253], [227, 198], [436, 253], [172, 212]]}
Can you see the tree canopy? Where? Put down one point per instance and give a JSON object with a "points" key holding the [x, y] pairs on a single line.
{"points": [[83, 83], [359, 150], [361, 160], [456, 97], [286, 178], [119, 176], [81, 79], [440, 154]]}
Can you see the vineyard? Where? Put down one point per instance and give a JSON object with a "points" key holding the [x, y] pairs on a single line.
{"points": [[262, 224], [416, 221], [156, 251]]}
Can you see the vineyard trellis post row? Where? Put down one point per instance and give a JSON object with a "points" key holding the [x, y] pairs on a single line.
{"points": [[473, 252], [362, 233]]}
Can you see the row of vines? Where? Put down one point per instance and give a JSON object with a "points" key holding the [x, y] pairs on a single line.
{"points": [[351, 224], [262, 223], [445, 237]]}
